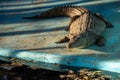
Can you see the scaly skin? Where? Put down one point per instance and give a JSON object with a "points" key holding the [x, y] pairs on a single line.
{"points": [[85, 30], [69, 11], [85, 27]]}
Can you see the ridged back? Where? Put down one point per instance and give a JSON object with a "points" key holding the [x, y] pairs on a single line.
{"points": [[69, 11]]}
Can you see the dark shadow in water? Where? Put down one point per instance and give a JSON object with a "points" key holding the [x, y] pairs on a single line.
{"points": [[15, 15], [4, 34], [31, 3], [45, 48], [41, 7]]}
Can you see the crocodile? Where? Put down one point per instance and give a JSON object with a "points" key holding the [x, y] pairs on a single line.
{"points": [[85, 27]]}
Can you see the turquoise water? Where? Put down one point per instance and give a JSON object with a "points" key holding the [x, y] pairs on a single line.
{"points": [[39, 35]]}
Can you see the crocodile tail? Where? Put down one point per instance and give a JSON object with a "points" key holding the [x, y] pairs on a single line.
{"points": [[69, 11], [58, 12]]}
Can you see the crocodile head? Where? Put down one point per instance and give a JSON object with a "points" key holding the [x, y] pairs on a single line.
{"points": [[82, 41], [77, 43]]}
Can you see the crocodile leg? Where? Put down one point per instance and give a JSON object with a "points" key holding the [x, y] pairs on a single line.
{"points": [[100, 41], [64, 39], [108, 24], [70, 42]]}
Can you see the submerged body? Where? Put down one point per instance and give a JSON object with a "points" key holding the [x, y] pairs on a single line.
{"points": [[85, 27]]}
